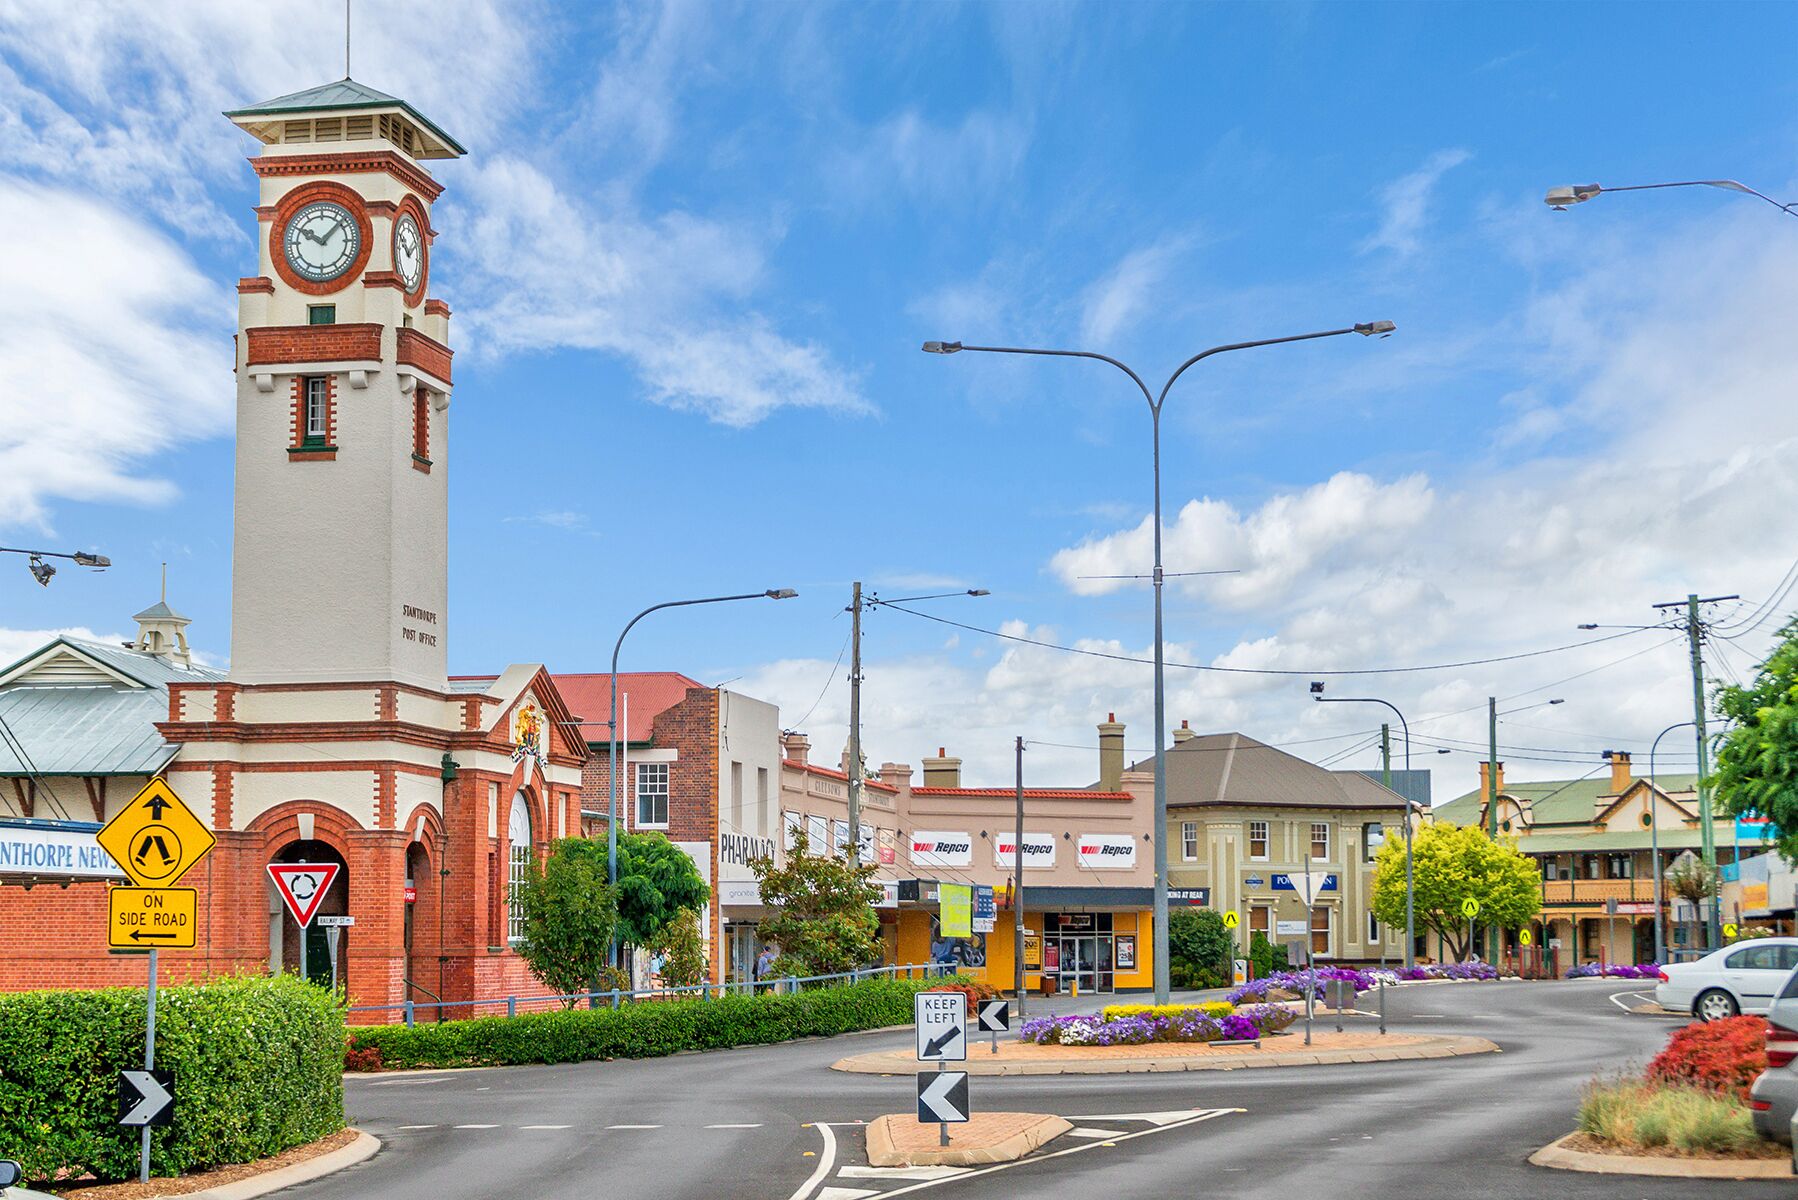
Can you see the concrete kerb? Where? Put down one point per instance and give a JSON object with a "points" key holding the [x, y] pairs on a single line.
{"points": [[903, 1063], [892, 1140], [1562, 1157], [363, 1148]]}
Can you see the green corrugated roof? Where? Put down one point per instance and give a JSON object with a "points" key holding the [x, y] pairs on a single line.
{"points": [[342, 94], [1555, 801], [1621, 839]]}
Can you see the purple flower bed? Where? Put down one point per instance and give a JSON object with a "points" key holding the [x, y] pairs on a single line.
{"points": [[1476, 970], [1616, 971], [1245, 1025]]}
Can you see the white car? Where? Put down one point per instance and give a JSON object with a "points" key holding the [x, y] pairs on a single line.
{"points": [[1742, 978]]}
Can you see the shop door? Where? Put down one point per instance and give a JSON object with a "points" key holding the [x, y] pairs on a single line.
{"points": [[1086, 960]]}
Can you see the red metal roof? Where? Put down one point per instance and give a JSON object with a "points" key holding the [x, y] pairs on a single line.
{"points": [[651, 693]]}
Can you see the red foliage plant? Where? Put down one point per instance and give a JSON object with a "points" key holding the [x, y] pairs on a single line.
{"points": [[971, 993], [1718, 1056]]}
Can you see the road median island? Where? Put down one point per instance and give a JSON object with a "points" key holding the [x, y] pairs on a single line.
{"points": [[1579, 1152], [985, 1138], [1026, 1058]]}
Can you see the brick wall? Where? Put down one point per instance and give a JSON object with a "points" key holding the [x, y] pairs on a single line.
{"points": [[313, 343], [425, 353]]}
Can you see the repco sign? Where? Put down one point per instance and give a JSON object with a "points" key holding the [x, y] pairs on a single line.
{"points": [[737, 849], [1107, 851], [929, 849]]}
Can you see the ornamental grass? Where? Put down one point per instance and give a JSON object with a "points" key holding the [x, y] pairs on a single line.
{"points": [[1649, 1116]]}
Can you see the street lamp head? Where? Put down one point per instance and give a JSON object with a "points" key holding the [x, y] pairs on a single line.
{"points": [[97, 561], [941, 347], [1561, 198], [1557, 701], [1317, 687], [978, 592], [1589, 626], [41, 571], [780, 593], [1370, 328]]}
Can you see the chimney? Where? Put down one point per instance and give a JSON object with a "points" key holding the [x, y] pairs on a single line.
{"points": [[796, 746], [1111, 754], [1620, 776], [1184, 733], [896, 775], [942, 771], [1483, 773]]}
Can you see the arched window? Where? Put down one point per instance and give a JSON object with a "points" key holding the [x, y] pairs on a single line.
{"points": [[518, 831]]}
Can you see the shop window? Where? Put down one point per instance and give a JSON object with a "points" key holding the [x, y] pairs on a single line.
{"points": [[1320, 931], [1551, 868], [1320, 841], [518, 861], [791, 823], [652, 795], [1189, 841], [1258, 840], [1373, 929]]}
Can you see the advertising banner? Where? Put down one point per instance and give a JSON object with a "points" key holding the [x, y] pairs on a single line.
{"points": [[956, 910], [1039, 850], [930, 848], [1107, 851]]}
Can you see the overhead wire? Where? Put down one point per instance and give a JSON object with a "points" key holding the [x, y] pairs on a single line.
{"points": [[11, 739]]}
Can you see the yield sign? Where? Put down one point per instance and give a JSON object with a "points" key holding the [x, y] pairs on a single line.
{"points": [[942, 1097], [303, 887]]}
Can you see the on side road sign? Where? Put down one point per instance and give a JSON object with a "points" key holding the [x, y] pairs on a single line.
{"points": [[942, 1097], [138, 918], [156, 839], [146, 1098], [995, 1015], [941, 1037]]}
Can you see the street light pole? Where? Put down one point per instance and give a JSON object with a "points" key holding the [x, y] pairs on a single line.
{"points": [[1317, 688], [1654, 835], [1366, 329], [612, 730], [43, 571]]}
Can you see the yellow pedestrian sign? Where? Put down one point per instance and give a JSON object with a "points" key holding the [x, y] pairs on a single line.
{"points": [[1523, 937], [1729, 929], [1470, 908], [1231, 920], [156, 839], [139, 918]]}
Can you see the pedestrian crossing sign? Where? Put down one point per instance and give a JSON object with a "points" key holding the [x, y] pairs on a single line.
{"points": [[156, 839]]}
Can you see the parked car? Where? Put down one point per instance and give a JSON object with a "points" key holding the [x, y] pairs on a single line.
{"points": [[1774, 1097], [9, 1178], [1736, 979]]}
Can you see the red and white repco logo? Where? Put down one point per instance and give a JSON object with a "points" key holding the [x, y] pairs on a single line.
{"points": [[1107, 848], [941, 847]]}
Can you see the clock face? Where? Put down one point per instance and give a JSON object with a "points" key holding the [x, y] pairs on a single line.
{"points": [[322, 241], [408, 252]]}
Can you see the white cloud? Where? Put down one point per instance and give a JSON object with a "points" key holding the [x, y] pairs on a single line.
{"points": [[17, 643], [1125, 292], [113, 348], [1406, 201]]}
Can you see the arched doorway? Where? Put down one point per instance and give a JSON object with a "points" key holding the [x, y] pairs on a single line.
{"points": [[308, 954], [519, 857], [423, 928]]}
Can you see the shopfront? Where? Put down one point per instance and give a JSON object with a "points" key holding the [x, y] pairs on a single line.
{"points": [[1081, 951]]}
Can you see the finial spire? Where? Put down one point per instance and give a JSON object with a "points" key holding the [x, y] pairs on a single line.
{"points": [[165, 583], [346, 39]]}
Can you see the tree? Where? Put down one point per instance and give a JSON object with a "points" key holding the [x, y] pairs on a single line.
{"points": [[823, 911], [1199, 947], [1757, 761], [656, 881], [1452, 864], [568, 916], [684, 964]]}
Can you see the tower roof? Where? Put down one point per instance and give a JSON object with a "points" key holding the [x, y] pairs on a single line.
{"points": [[160, 611], [339, 96]]}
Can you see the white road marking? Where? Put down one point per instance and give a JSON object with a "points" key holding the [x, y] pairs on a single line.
{"points": [[837, 1193], [1626, 1008], [633, 1126], [545, 1127], [1167, 1117], [822, 1171], [756, 1126], [1088, 1132], [900, 1172], [418, 1126], [477, 1127], [411, 1081]]}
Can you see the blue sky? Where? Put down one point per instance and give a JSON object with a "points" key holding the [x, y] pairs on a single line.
{"points": [[694, 249]]}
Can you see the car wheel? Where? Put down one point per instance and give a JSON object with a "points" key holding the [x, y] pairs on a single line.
{"points": [[1715, 1005]]}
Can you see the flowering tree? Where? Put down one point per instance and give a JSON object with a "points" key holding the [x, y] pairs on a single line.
{"points": [[1451, 865]]}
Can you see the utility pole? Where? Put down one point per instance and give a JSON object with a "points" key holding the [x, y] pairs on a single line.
{"points": [[1017, 890], [855, 725], [1386, 782], [1707, 834], [1492, 800]]}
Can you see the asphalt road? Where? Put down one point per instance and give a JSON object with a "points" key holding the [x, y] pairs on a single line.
{"points": [[773, 1122]]}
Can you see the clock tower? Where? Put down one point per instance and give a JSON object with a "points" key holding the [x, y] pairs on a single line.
{"points": [[339, 569]]}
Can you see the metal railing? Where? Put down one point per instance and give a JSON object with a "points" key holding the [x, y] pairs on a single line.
{"points": [[514, 1004]]}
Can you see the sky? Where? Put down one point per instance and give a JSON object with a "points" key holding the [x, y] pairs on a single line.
{"points": [[693, 252]]}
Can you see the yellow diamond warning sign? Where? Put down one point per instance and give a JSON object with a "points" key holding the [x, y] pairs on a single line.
{"points": [[156, 839], [139, 918]]}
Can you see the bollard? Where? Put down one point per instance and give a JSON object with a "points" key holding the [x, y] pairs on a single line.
{"points": [[511, 1006], [408, 1008], [1382, 1008]]}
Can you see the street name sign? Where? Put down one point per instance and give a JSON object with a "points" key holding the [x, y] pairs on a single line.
{"points": [[303, 887], [139, 917], [146, 1098], [941, 1037], [156, 839], [334, 922], [942, 1097]]}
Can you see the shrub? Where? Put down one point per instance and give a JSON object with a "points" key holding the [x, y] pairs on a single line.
{"points": [[1637, 1115], [1209, 1008], [1188, 1024], [972, 991], [258, 1066], [647, 1030], [1197, 939], [1718, 1056], [1265, 956]]}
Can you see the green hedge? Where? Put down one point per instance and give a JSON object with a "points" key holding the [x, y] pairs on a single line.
{"points": [[644, 1029], [258, 1066]]}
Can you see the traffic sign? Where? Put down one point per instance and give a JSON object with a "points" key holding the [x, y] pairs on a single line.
{"points": [[156, 839], [1523, 937], [1231, 920], [942, 1097], [994, 1015], [938, 1016], [146, 1098], [1309, 884], [1470, 908], [1729, 929], [303, 887], [139, 917], [334, 922]]}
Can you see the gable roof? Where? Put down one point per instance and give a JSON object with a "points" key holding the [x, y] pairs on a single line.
{"points": [[338, 95], [1234, 769], [1554, 801], [652, 693]]}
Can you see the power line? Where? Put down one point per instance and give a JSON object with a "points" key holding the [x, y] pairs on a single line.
{"points": [[1544, 687], [1307, 674], [1765, 608], [1190, 749], [828, 680]]}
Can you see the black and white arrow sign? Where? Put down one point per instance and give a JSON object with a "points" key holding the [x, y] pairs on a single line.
{"points": [[941, 1037], [995, 1016], [146, 1098], [942, 1097]]}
